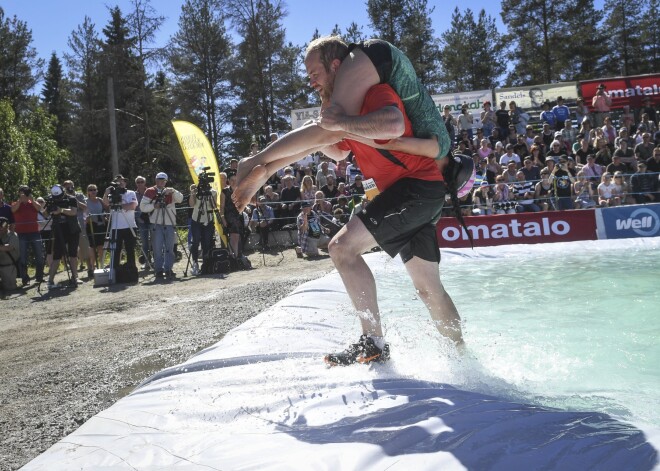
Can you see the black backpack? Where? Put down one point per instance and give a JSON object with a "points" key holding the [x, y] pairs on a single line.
{"points": [[218, 262]]}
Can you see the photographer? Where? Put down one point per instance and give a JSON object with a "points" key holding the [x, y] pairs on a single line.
{"points": [[232, 220], [95, 228], [26, 211], [142, 221], [160, 202], [204, 201], [83, 242], [122, 203], [601, 103], [262, 219], [63, 209], [563, 184]]}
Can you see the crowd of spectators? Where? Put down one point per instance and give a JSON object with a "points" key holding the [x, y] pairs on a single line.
{"points": [[567, 159]]}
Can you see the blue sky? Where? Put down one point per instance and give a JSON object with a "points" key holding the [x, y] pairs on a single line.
{"points": [[52, 21]]}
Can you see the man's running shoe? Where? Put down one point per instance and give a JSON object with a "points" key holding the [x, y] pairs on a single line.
{"points": [[365, 351]]}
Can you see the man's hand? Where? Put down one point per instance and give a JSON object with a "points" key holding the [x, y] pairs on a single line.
{"points": [[332, 118]]}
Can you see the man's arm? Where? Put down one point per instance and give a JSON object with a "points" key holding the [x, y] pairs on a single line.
{"points": [[384, 123]]}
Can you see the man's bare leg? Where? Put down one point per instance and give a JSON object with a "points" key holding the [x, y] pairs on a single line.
{"points": [[426, 278], [258, 176], [346, 249]]}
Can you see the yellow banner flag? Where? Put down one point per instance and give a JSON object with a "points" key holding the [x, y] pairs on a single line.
{"points": [[199, 155]]}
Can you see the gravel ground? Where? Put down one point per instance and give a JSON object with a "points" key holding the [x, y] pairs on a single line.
{"points": [[67, 355]]}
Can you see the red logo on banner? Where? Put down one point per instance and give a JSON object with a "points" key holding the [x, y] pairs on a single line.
{"points": [[625, 90], [523, 228]]}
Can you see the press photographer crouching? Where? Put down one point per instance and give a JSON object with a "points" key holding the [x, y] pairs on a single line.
{"points": [[122, 203], [204, 201], [9, 252], [160, 202], [63, 211]]}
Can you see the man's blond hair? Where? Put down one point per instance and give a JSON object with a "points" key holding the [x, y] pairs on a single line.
{"points": [[329, 48]]}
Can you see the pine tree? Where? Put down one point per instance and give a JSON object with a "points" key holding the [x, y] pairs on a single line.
{"points": [[473, 64], [143, 23], [266, 72], [539, 38], [622, 26], [407, 25], [87, 134], [386, 19], [650, 37], [200, 59], [20, 68], [354, 33], [54, 97], [587, 43]]}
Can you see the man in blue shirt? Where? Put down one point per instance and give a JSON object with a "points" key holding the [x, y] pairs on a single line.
{"points": [[547, 116], [561, 112]]}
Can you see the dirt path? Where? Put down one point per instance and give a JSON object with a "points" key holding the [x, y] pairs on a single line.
{"points": [[67, 355]]}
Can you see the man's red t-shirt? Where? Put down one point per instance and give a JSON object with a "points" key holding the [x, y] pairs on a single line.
{"points": [[26, 218], [384, 166]]}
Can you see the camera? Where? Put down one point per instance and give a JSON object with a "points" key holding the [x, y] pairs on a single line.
{"points": [[205, 179], [115, 194], [160, 197], [25, 190], [56, 199]]}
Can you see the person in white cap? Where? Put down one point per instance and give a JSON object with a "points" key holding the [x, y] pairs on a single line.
{"points": [[160, 202]]}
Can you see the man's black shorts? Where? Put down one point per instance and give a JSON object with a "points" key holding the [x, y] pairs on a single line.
{"points": [[403, 218]]}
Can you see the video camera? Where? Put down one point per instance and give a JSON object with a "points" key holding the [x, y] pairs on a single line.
{"points": [[53, 202], [204, 182], [115, 194]]}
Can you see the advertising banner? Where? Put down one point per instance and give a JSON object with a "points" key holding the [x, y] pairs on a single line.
{"points": [[300, 117], [473, 100], [523, 228], [625, 90], [199, 154], [623, 222], [532, 97]]}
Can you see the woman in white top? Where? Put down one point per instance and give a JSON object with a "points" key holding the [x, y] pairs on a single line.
{"points": [[622, 188], [465, 121], [607, 195], [307, 189]]}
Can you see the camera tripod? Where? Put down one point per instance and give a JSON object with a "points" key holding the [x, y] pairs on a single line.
{"points": [[111, 237]]}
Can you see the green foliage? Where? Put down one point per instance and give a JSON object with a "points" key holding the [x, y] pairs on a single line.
{"points": [[20, 67], [55, 97], [472, 53], [14, 159], [623, 24], [46, 158], [28, 151], [268, 76], [387, 19], [407, 25], [539, 35], [200, 58]]}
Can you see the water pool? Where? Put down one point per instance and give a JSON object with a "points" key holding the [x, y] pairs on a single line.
{"points": [[571, 325]]}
